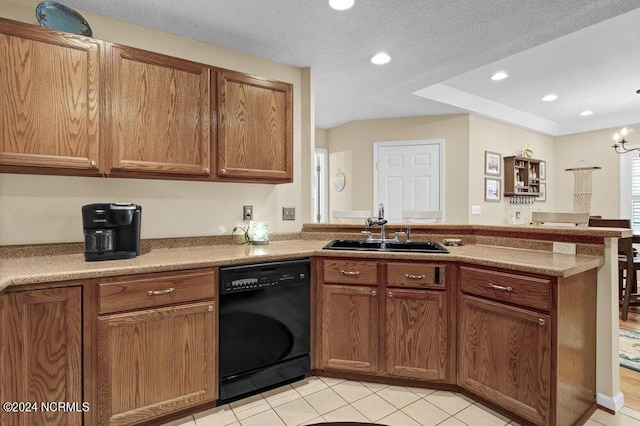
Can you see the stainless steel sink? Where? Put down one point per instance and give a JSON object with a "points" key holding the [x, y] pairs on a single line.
{"points": [[363, 245]]}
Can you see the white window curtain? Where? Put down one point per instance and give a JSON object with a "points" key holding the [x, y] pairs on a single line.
{"points": [[630, 189]]}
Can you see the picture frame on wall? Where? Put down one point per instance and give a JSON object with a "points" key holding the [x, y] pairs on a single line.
{"points": [[543, 170], [492, 163], [543, 193], [492, 189]]}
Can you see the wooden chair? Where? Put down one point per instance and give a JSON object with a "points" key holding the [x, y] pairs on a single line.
{"points": [[421, 216], [627, 261], [351, 216], [539, 218]]}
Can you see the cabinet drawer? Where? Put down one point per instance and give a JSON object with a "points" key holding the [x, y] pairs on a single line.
{"points": [[508, 287], [156, 291], [350, 272], [416, 275]]}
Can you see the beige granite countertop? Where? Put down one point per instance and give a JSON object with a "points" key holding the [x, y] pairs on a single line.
{"points": [[32, 270]]}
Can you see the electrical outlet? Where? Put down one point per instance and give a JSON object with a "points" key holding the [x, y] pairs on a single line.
{"points": [[565, 248], [476, 209], [288, 213], [247, 212]]}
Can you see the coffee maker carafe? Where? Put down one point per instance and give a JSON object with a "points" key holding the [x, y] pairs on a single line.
{"points": [[111, 231]]}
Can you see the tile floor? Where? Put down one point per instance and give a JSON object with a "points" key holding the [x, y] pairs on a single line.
{"points": [[321, 399]]}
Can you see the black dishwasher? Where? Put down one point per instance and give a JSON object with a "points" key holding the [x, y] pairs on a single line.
{"points": [[264, 326]]}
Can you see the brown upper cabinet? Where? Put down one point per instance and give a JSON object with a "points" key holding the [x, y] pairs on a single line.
{"points": [[162, 117], [255, 131], [49, 101], [158, 113]]}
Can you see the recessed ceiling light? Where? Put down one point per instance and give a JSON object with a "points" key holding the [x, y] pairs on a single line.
{"points": [[586, 113], [501, 75], [380, 58], [550, 98], [341, 4]]}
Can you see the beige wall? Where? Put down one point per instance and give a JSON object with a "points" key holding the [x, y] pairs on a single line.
{"points": [[507, 140], [351, 151], [594, 148], [322, 138], [46, 209]]}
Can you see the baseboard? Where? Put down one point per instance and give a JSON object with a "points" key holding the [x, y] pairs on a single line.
{"points": [[612, 404]]}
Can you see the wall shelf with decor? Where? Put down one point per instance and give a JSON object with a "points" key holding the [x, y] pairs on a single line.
{"points": [[522, 177]]}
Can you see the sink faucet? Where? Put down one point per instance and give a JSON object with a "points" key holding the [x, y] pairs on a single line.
{"points": [[378, 221]]}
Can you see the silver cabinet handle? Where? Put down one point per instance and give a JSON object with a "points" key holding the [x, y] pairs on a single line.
{"points": [[160, 292], [500, 287], [390, 294], [350, 273], [206, 170], [223, 171], [374, 293], [415, 277], [541, 321], [93, 164], [210, 308]]}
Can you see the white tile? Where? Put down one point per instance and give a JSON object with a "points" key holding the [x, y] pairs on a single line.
{"points": [[421, 392], [250, 406], [309, 385], [425, 413], [345, 414], [592, 423], [268, 417], [631, 413], [296, 412], [398, 419], [352, 391], [617, 419], [477, 416], [447, 401], [330, 381], [219, 416], [313, 421], [281, 395], [374, 386], [326, 400], [398, 396], [374, 407], [452, 421], [186, 421]]}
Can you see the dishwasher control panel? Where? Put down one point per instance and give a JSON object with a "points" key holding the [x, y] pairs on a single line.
{"points": [[262, 275]]}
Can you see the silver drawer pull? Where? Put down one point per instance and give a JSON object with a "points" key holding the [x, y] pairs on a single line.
{"points": [[351, 273], [541, 321], [160, 292], [500, 287], [210, 308], [374, 293], [415, 277], [390, 294]]}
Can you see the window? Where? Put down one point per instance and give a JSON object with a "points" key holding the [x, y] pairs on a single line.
{"points": [[630, 189]]}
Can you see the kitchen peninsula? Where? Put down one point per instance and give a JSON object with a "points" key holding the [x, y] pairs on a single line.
{"points": [[552, 299]]}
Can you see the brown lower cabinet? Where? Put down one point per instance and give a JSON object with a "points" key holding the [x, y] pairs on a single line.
{"points": [[369, 327], [159, 360], [41, 357]]}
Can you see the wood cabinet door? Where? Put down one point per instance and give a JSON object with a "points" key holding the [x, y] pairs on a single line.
{"points": [[159, 112], [255, 131], [416, 334], [41, 356], [155, 362], [505, 356], [49, 101], [350, 328]]}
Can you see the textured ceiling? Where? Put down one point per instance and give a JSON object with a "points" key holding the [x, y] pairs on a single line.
{"points": [[430, 42]]}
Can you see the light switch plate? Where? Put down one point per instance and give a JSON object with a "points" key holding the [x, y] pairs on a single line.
{"points": [[288, 213], [476, 209]]}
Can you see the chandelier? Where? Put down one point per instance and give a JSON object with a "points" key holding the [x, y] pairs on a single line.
{"points": [[620, 142]]}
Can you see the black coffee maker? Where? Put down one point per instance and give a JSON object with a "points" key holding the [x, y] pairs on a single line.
{"points": [[111, 231]]}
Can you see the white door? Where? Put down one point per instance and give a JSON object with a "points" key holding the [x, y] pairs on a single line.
{"points": [[408, 177]]}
